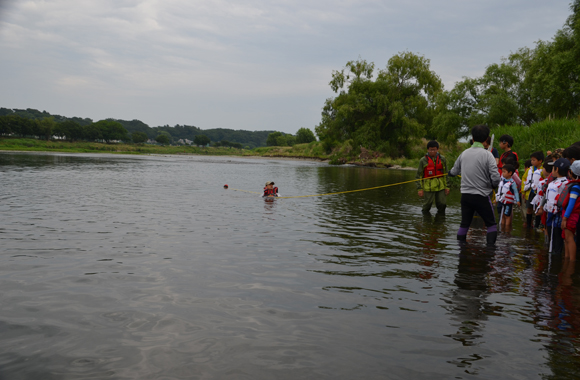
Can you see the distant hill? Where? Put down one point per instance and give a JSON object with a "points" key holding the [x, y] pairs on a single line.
{"points": [[33, 114], [246, 138], [252, 139]]}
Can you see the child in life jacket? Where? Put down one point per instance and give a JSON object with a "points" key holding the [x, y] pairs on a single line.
{"points": [[540, 186], [531, 186], [525, 190], [270, 190], [554, 215], [571, 211], [507, 195]]}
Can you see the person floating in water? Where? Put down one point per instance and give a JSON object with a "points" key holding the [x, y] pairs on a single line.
{"points": [[479, 176], [270, 190], [433, 187]]}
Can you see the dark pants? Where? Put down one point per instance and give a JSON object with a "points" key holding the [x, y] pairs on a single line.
{"points": [[471, 203], [438, 196]]}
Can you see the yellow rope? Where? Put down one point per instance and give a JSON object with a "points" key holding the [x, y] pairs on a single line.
{"points": [[345, 192]]}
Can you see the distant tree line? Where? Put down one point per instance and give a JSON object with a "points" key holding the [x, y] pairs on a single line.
{"points": [[304, 135], [406, 100], [33, 123], [46, 128]]}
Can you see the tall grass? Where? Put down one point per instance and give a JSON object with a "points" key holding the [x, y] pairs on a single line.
{"points": [[544, 136]]}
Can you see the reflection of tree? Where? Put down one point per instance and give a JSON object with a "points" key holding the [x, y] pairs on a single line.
{"points": [[375, 222]]}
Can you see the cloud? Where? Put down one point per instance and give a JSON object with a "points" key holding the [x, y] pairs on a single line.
{"points": [[239, 64]]}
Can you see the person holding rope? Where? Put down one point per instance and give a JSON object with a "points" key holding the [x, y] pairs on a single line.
{"points": [[479, 176], [433, 186]]}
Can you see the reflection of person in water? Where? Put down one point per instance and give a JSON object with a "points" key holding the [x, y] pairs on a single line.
{"points": [[468, 302], [432, 229], [560, 315]]}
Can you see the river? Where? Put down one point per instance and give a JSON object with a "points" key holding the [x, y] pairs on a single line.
{"points": [[144, 267]]}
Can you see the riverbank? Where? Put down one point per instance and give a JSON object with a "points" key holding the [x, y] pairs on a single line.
{"points": [[313, 151], [34, 145]]}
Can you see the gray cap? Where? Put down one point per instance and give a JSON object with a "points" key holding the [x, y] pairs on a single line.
{"points": [[575, 167], [269, 183]]}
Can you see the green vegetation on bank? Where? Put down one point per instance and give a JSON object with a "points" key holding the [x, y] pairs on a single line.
{"points": [[544, 136], [34, 145]]}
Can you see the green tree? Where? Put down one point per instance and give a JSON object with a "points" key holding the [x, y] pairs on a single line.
{"points": [[202, 140], [111, 130], [92, 132], [290, 140], [388, 113], [139, 137], [304, 135], [70, 129], [45, 128], [5, 125], [163, 139], [272, 138]]}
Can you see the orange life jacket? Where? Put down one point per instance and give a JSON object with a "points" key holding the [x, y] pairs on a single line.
{"points": [[434, 167], [270, 192]]}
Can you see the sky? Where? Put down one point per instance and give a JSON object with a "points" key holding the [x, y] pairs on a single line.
{"points": [[243, 64]]}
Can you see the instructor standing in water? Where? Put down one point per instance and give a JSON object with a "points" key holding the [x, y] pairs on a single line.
{"points": [[479, 176], [433, 187]]}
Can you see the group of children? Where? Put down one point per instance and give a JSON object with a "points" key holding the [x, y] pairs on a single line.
{"points": [[548, 189]]}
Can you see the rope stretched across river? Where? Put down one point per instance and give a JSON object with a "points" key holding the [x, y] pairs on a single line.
{"points": [[348, 191]]}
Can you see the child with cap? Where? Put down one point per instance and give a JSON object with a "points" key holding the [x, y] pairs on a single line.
{"points": [[270, 190], [571, 211], [554, 217]]}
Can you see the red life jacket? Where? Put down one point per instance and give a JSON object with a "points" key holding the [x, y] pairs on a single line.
{"points": [[433, 168], [504, 154], [270, 192], [563, 198]]}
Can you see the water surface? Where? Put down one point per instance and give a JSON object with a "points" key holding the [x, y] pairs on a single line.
{"points": [[144, 267]]}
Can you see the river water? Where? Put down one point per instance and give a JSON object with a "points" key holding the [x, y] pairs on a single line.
{"points": [[144, 267]]}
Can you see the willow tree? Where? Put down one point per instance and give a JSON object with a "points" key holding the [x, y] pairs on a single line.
{"points": [[386, 114]]}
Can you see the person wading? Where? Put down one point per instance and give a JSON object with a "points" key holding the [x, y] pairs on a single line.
{"points": [[479, 176], [433, 187]]}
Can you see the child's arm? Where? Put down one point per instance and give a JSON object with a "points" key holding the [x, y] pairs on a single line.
{"points": [[536, 177], [574, 193], [516, 193]]}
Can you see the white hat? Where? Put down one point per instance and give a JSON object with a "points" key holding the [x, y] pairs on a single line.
{"points": [[575, 167]]}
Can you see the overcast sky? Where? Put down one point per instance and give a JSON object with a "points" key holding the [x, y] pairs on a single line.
{"points": [[243, 64]]}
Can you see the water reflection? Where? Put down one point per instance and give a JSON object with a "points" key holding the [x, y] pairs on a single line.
{"points": [[146, 268]]}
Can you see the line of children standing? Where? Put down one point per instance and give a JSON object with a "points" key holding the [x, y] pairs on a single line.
{"points": [[549, 189]]}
